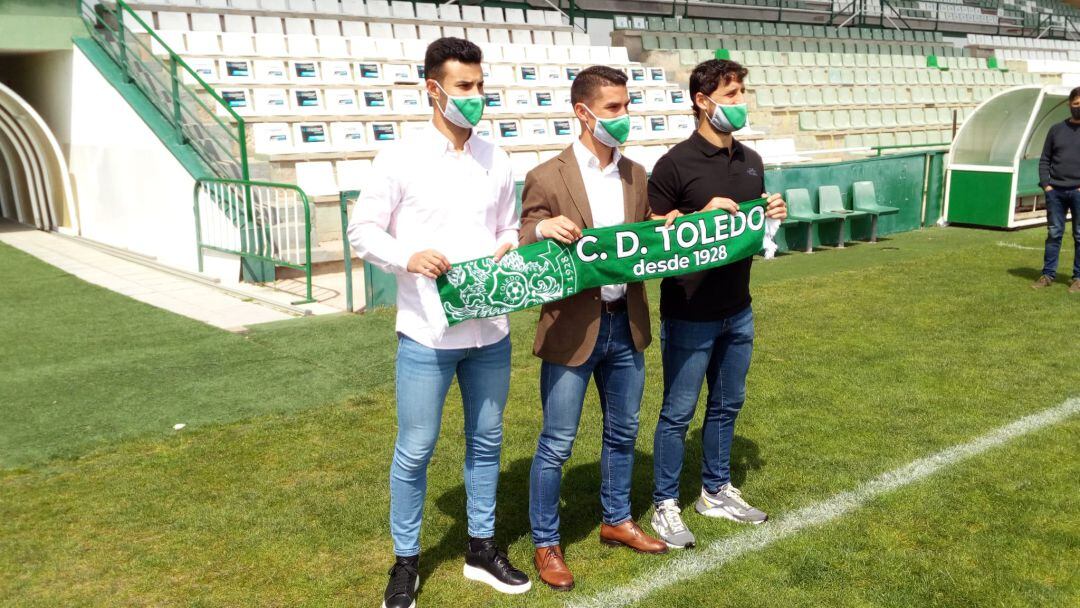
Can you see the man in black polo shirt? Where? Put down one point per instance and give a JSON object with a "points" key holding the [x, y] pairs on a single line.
{"points": [[1059, 175], [707, 326]]}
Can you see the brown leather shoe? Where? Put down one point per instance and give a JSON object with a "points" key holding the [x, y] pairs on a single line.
{"points": [[1044, 281], [628, 534], [553, 571], [1075, 287]]}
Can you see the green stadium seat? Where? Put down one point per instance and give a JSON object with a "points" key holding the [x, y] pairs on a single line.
{"points": [[945, 116], [903, 138], [814, 97], [853, 141], [808, 121], [820, 76], [858, 95], [715, 26], [667, 42], [757, 44], [699, 43], [819, 31], [764, 98], [796, 30], [829, 96], [671, 24], [843, 96], [686, 26], [865, 199], [870, 139], [756, 28], [903, 95], [918, 138], [701, 26], [841, 119], [801, 211], [887, 138], [729, 28], [831, 202], [888, 96], [742, 28], [805, 77], [682, 42], [938, 94], [656, 24], [918, 117], [789, 76], [825, 120], [783, 46], [858, 119], [650, 43], [952, 95], [768, 29], [772, 76], [781, 97], [782, 29], [873, 96], [903, 117], [873, 118], [798, 97], [885, 61]]}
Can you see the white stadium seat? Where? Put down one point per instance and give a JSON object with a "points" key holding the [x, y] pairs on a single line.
{"points": [[353, 174], [316, 178]]}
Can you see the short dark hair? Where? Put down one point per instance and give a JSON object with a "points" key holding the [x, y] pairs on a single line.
{"points": [[447, 49], [584, 87], [711, 75], [1073, 94]]}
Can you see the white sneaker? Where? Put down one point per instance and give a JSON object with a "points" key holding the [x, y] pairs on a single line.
{"points": [[728, 503], [669, 526]]}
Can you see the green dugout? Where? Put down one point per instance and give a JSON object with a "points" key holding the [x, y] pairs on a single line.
{"points": [[993, 170]]}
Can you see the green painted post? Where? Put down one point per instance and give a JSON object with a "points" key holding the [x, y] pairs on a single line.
{"points": [[177, 119], [122, 40], [343, 202]]}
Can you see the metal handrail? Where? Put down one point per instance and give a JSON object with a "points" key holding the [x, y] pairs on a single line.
{"points": [[176, 68], [256, 228]]}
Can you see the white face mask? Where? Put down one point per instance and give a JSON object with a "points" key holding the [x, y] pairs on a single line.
{"points": [[729, 118], [464, 111], [612, 132]]}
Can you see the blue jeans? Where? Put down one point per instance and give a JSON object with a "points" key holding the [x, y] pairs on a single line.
{"points": [[715, 351], [423, 379], [619, 372], [1057, 202]]}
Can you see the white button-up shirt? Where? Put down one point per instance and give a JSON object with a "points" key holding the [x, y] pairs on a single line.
{"points": [[423, 194], [604, 188]]}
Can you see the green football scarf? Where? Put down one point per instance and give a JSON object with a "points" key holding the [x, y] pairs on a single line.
{"points": [[548, 271]]}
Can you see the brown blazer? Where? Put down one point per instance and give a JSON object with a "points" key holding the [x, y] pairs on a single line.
{"points": [[568, 328]]}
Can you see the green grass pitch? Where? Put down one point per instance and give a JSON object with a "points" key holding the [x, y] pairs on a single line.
{"points": [[276, 494]]}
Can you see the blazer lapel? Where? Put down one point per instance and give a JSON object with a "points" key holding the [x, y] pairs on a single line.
{"points": [[631, 211], [575, 185]]}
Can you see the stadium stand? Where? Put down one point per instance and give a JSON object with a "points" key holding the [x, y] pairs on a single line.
{"points": [[307, 92]]}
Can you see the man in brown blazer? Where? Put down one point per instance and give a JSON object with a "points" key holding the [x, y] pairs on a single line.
{"points": [[597, 333]]}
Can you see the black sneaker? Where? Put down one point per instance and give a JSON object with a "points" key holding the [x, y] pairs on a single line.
{"points": [[404, 581], [488, 564]]}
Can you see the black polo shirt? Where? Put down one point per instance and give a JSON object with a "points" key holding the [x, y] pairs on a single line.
{"points": [[687, 178]]}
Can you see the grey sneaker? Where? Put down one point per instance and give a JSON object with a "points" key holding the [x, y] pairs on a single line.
{"points": [[728, 504], [669, 525], [1044, 281]]}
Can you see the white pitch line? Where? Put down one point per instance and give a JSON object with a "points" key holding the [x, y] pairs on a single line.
{"points": [[694, 563], [1016, 246]]}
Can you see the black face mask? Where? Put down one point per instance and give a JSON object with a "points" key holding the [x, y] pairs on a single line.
{"points": [[1075, 112]]}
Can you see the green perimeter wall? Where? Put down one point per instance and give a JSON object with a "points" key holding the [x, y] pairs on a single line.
{"points": [[38, 25], [898, 181]]}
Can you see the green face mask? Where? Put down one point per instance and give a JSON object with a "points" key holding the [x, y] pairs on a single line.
{"points": [[612, 132], [728, 119], [464, 112]]}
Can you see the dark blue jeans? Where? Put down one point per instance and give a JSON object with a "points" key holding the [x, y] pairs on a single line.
{"points": [[1058, 201], [619, 372], [717, 352]]}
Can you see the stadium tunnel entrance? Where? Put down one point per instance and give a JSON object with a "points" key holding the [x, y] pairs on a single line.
{"points": [[35, 186]]}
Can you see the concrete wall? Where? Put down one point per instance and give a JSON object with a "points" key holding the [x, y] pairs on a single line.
{"points": [[132, 191]]}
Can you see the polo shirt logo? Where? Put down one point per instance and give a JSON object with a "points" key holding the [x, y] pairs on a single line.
{"points": [[751, 171]]}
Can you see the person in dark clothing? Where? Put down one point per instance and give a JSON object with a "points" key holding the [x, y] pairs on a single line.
{"points": [[1059, 176], [707, 325]]}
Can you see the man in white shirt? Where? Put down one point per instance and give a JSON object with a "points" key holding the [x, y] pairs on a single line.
{"points": [[599, 333], [444, 196]]}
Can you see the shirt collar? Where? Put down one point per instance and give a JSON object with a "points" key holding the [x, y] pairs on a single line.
{"points": [[708, 149], [442, 145], [587, 160]]}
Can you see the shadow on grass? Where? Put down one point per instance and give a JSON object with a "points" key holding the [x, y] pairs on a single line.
{"points": [[1029, 274], [580, 512]]}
